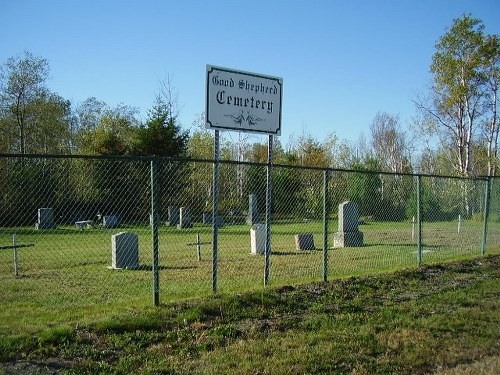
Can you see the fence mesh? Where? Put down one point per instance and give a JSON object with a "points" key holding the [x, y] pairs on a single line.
{"points": [[59, 216]]}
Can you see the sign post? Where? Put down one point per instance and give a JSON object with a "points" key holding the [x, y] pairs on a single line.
{"points": [[244, 102]]}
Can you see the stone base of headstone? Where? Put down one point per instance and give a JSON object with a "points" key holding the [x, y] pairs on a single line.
{"points": [[348, 239], [304, 241], [124, 251], [45, 226]]}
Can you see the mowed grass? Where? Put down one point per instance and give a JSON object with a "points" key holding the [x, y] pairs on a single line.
{"points": [[65, 278], [442, 318]]}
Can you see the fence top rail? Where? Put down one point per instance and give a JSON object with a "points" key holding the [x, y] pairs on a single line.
{"points": [[194, 160]]}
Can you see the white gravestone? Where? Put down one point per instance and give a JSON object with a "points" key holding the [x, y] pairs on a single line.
{"points": [[258, 239], [348, 234], [184, 218], [124, 250]]}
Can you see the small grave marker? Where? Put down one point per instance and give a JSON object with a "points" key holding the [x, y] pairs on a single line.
{"points": [[304, 241], [198, 244], [15, 246]]}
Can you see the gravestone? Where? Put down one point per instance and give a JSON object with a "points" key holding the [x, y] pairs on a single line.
{"points": [[45, 219], [253, 211], [173, 216], [207, 219], [184, 218], [109, 221], [348, 234], [304, 241], [124, 250], [258, 239]]}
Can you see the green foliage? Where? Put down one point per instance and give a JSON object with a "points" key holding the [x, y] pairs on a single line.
{"points": [[32, 119], [161, 136], [364, 188], [465, 68]]}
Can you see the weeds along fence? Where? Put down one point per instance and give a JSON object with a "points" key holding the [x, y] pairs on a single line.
{"points": [[58, 215]]}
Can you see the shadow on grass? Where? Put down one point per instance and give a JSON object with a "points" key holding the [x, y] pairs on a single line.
{"points": [[412, 245], [146, 267]]}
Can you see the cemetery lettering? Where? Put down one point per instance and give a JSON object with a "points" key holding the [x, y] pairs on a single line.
{"points": [[244, 102]]}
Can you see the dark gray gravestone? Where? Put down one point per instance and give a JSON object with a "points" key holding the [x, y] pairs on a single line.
{"points": [[124, 250], [173, 216], [45, 219], [207, 219], [304, 241], [110, 221], [184, 218]]}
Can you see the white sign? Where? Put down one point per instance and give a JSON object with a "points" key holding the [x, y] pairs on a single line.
{"points": [[243, 101]]}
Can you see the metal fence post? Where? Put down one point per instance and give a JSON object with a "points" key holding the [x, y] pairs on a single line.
{"points": [[325, 225], [419, 220], [16, 258], [215, 213], [154, 232], [268, 210], [487, 204]]}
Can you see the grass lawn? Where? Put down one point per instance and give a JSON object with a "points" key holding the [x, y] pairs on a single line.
{"points": [[64, 279], [440, 318]]}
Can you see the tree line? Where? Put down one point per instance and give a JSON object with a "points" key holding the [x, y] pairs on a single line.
{"points": [[456, 128]]}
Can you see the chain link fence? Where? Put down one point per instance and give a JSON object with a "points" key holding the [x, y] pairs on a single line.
{"points": [[59, 216]]}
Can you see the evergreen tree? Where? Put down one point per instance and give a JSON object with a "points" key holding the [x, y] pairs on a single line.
{"points": [[161, 135]]}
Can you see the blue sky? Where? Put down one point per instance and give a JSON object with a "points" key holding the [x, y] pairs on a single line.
{"points": [[341, 61]]}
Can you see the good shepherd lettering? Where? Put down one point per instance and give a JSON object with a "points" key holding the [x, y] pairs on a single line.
{"points": [[224, 98]]}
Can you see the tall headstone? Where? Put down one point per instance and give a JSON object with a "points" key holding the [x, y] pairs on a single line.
{"points": [[184, 218], [253, 210], [124, 250], [258, 239], [173, 216], [348, 234], [45, 219]]}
